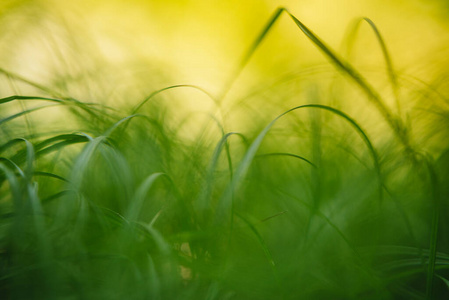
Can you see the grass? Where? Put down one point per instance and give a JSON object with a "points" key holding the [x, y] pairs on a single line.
{"points": [[308, 201]]}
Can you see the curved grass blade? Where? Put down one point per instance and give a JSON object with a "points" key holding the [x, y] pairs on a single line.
{"points": [[83, 159], [387, 57], [149, 97], [70, 140], [117, 124], [273, 216], [72, 137], [153, 94], [57, 195], [29, 155], [43, 147], [16, 97], [287, 154], [13, 165], [388, 60], [8, 144], [51, 175]]}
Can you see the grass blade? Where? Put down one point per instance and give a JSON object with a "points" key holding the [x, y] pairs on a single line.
{"points": [[386, 55], [149, 97], [12, 117], [288, 155]]}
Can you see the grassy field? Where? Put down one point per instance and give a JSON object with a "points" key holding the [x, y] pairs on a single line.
{"points": [[327, 182]]}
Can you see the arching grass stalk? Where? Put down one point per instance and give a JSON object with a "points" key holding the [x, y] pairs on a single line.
{"points": [[139, 106], [149, 97], [225, 203], [352, 32]]}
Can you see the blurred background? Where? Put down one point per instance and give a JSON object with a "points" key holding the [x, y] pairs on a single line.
{"points": [[201, 42], [118, 52]]}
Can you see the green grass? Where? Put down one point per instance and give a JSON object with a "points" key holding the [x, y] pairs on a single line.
{"points": [[304, 201]]}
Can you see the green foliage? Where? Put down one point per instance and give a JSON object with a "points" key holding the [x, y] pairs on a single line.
{"points": [[304, 202]]}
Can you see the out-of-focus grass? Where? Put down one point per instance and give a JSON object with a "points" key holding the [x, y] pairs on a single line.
{"points": [[292, 170]]}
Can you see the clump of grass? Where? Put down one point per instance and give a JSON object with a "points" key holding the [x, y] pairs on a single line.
{"points": [[303, 204]]}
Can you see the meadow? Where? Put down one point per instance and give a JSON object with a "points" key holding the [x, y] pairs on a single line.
{"points": [[327, 182]]}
